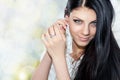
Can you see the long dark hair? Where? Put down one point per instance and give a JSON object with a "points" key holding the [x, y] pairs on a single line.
{"points": [[102, 55]]}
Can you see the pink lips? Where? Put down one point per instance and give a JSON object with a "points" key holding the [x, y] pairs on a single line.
{"points": [[83, 39]]}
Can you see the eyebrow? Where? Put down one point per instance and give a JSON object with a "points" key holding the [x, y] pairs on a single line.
{"points": [[77, 18], [94, 21], [83, 20]]}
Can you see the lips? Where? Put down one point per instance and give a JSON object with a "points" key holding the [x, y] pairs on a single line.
{"points": [[83, 39]]}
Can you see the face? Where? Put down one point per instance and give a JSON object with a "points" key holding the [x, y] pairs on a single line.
{"points": [[82, 22]]}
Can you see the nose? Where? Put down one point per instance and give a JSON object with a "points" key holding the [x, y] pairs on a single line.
{"points": [[85, 30]]}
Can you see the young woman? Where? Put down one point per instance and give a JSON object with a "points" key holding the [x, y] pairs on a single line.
{"points": [[95, 56]]}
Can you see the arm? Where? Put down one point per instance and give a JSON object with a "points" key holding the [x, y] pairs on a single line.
{"points": [[43, 69], [55, 42], [61, 68]]}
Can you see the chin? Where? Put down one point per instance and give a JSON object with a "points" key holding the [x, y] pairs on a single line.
{"points": [[82, 44]]}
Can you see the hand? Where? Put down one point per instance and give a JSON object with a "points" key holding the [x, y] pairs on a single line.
{"points": [[54, 39]]}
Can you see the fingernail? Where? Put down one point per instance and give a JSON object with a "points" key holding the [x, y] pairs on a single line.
{"points": [[62, 28]]}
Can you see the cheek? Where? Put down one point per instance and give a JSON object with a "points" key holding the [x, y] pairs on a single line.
{"points": [[93, 31], [74, 29]]}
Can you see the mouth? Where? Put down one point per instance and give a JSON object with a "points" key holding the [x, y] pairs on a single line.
{"points": [[83, 39]]}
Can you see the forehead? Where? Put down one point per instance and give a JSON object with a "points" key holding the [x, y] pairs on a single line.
{"points": [[84, 13]]}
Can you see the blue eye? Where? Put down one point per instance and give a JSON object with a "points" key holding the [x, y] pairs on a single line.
{"points": [[93, 24]]}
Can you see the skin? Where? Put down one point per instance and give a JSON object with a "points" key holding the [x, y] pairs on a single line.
{"points": [[82, 24]]}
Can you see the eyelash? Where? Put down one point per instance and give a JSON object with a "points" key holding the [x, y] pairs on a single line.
{"points": [[94, 23], [77, 21]]}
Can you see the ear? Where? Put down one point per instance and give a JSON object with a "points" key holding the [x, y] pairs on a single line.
{"points": [[67, 18]]}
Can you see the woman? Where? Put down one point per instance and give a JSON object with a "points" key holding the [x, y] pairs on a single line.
{"points": [[95, 56]]}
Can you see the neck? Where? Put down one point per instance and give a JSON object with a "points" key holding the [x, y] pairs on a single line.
{"points": [[77, 51]]}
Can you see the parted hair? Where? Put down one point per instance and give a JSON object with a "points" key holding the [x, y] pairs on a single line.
{"points": [[102, 55]]}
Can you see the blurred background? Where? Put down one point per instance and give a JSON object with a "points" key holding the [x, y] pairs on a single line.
{"points": [[21, 24]]}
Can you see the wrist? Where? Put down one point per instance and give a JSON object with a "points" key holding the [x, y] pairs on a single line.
{"points": [[58, 57], [61, 69], [59, 60]]}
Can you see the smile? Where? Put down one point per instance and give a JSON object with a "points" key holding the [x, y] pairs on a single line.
{"points": [[83, 39]]}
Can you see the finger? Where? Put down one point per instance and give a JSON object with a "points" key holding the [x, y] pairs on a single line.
{"points": [[62, 33], [52, 31], [57, 30], [62, 29], [44, 39], [48, 36], [64, 20], [63, 23]]}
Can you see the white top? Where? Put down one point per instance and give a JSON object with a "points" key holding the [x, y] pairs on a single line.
{"points": [[72, 68]]}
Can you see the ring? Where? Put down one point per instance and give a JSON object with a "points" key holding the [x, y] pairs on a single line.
{"points": [[52, 35]]}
